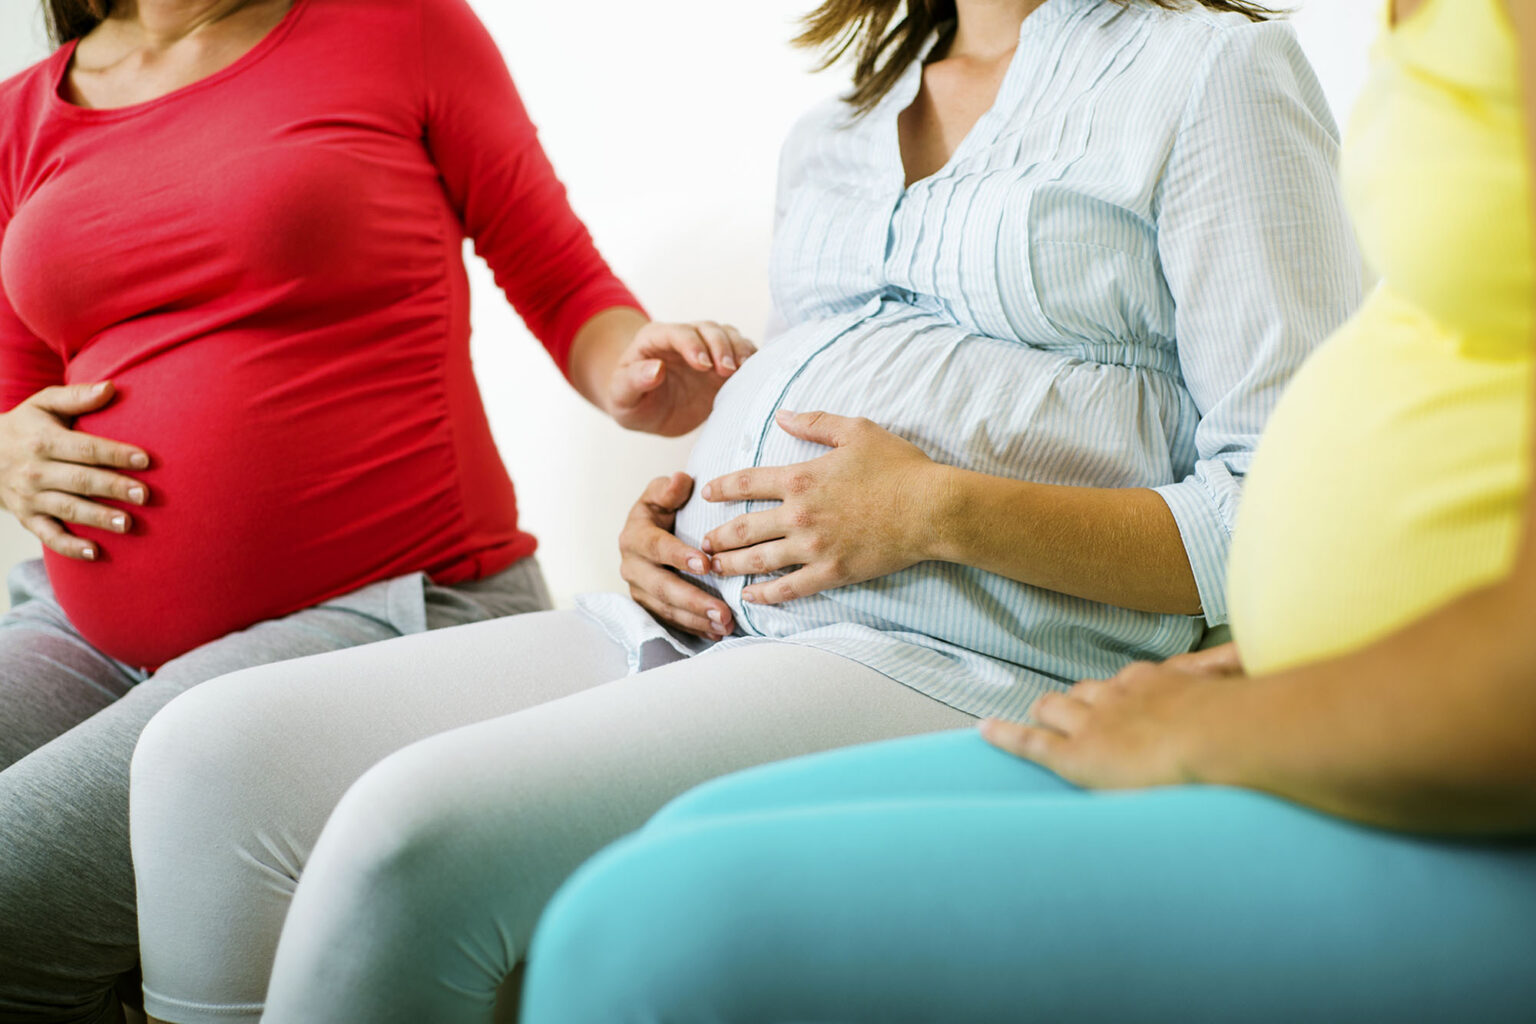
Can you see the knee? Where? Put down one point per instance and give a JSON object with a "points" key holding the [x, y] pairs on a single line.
{"points": [[748, 791], [652, 929], [870, 771], [209, 772], [407, 841], [200, 748], [412, 885], [716, 798]]}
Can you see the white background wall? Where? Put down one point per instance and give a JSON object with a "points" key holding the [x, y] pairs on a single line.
{"points": [[664, 120]]}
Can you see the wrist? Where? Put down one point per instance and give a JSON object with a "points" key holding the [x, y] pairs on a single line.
{"points": [[597, 353], [966, 507], [1212, 740], [944, 499]]}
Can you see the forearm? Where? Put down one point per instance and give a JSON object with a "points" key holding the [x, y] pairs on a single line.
{"points": [[1120, 546], [596, 350], [1432, 728]]}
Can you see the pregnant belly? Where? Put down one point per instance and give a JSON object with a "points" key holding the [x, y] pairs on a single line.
{"points": [[270, 491], [1390, 480], [992, 406]]}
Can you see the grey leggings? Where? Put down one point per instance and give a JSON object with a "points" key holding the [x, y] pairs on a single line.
{"points": [[419, 897], [69, 718]]}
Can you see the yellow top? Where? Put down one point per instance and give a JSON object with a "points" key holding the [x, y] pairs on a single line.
{"points": [[1392, 475]]}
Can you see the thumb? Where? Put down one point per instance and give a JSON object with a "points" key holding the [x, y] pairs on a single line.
{"points": [[678, 490], [818, 427], [633, 382], [669, 492], [1218, 661], [74, 399], [1223, 660]]}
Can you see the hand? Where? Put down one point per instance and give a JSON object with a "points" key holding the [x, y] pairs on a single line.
{"points": [[1138, 729], [650, 552], [862, 510], [48, 471], [665, 380]]}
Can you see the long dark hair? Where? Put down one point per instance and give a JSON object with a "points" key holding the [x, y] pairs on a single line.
{"points": [[882, 53], [71, 19]]}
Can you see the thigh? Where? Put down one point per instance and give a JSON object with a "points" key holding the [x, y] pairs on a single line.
{"points": [[233, 782], [1190, 905], [943, 765], [425, 886], [67, 907], [51, 679]]}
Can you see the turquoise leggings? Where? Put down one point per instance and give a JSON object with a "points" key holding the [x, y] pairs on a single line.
{"points": [[939, 880]]}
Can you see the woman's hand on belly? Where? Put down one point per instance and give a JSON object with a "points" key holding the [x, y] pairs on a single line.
{"points": [[49, 473], [651, 552], [863, 510]]}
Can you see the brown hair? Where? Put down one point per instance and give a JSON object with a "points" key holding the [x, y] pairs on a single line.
{"points": [[882, 53], [71, 19]]}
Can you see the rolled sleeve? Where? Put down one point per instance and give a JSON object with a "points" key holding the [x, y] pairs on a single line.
{"points": [[1203, 506]]}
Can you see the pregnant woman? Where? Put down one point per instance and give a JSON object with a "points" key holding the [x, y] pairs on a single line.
{"points": [[1382, 597], [1042, 275], [234, 359]]}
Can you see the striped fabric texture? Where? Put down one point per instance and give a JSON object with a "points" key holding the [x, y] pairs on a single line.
{"points": [[1108, 285]]}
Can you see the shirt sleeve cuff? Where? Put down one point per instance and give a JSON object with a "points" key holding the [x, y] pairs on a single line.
{"points": [[1206, 541]]}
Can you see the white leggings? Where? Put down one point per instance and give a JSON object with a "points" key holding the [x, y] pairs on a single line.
{"points": [[526, 749]]}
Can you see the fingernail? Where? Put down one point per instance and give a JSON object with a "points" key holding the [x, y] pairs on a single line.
{"points": [[709, 492], [90, 554], [728, 362], [653, 371], [706, 546], [136, 495], [749, 597], [696, 564], [97, 389], [120, 524], [704, 360], [714, 615], [139, 461], [714, 563]]}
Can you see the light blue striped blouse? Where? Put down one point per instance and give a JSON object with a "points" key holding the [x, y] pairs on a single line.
{"points": [[1108, 285]]}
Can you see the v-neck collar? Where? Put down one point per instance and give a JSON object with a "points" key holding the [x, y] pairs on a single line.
{"points": [[987, 127]]}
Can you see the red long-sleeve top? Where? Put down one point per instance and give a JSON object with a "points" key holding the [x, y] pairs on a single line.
{"points": [[268, 263]]}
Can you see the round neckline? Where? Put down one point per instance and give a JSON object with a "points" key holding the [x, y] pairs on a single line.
{"points": [[262, 47]]}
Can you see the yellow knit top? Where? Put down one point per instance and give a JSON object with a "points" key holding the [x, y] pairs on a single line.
{"points": [[1392, 475]]}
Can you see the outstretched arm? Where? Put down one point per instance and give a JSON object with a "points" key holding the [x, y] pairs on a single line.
{"points": [[649, 376]]}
